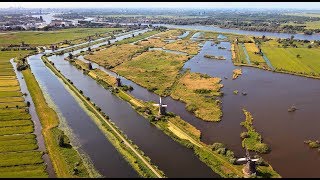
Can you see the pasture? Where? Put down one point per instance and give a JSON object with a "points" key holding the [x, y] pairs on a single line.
{"points": [[301, 60], [50, 37]]}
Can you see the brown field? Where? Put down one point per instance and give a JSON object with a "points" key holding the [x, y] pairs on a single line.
{"points": [[153, 42], [199, 93], [186, 46]]}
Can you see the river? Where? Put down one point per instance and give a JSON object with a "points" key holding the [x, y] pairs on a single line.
{"points": [[243, 32], [171, 157], [269, 96]]}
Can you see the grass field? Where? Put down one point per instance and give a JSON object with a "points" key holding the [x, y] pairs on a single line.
{"points": [[155, 70], [252, 140], [285, 59], [50, 37], [114, 55], [199, 92], [18, 146]]}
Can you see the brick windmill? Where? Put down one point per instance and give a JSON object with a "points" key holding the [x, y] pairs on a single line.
{"points": [[162, 107]]}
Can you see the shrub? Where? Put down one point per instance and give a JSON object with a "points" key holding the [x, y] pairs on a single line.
{"points": [[261, 147], [216, 146], [221, 151], [191, 107], [244, 135]]}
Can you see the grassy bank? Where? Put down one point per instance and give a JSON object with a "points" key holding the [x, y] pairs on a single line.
{"points": [[63, 158], [136, 158], [252, 140]]}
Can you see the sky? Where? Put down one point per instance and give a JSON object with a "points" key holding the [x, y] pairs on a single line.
{"points": [[283, 5]]}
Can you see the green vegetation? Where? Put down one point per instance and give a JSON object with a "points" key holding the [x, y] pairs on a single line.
{"points": [[252, 140], [155, 70], [313, 144], [199, 93], [18, 146], [50, 37], [300, 60]]}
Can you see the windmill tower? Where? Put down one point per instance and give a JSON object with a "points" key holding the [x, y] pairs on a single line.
{"points": [[249, 168], [162, 107], [118, 83]]}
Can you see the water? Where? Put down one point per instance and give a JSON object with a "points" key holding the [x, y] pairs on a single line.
{"points": [[236, 31], [93, 142], [183, 35], [269, 96], [171, 157]]}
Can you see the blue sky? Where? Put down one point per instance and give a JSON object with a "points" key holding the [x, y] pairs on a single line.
{"points": [[284, 5]]}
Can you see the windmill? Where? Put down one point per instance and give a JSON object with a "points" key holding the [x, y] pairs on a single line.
{"points": [[118, 83], [250, 168], [162, 107]]}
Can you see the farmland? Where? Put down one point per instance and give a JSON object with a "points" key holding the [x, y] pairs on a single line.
{"points": [[199, 92], [301, 60], [155, 70], [50, 37], [19, 154]]}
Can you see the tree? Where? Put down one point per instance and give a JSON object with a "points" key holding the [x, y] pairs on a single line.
{"points": [[28, 103], [89, 49], [132, 35], [70, 56], [309, 46], [291, 38], [263, 37], [109, 42]]}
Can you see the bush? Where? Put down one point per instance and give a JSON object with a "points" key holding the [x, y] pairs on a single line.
{"points": [[244, 135], [221, 151], [216, 146], [261, 147], [191, 108]]}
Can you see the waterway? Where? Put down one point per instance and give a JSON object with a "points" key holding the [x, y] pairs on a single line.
{"points": [[171, 157], [244, 32], [269, 96]]}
